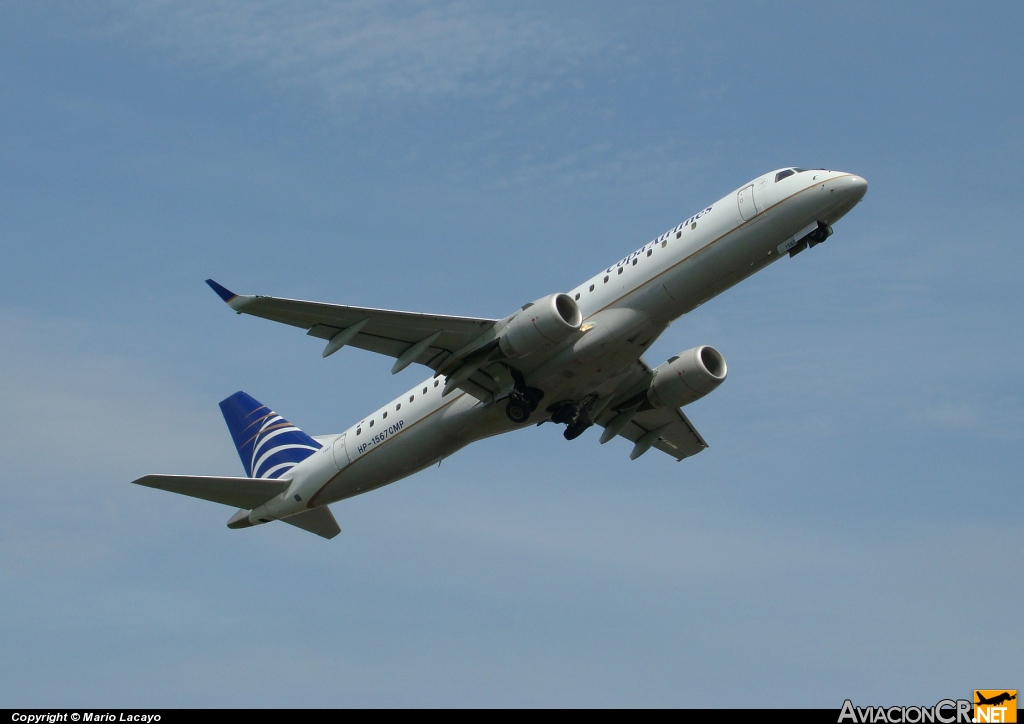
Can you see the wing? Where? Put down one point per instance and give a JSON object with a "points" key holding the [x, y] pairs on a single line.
{"points": [[435, 340], [667, 430]]}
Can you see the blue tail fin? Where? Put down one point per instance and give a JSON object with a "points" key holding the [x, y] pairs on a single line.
{"points": [[268, 445]]}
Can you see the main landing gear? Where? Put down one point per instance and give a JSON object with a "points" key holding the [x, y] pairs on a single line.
{"points": [[521, 405], [575, 417], [523, 400]]}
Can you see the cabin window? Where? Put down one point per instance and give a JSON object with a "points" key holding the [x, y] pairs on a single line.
{"points": [[693, 226], [679, 234], [412, 397], [591, 287], [398, 407], [664, 244], [385, 415], [606, 280], [435, 383], [359, 431], [650, 251], [577, 296], [784, 174], [620, 270], [371, 423], [424, 390], [634, 261]]}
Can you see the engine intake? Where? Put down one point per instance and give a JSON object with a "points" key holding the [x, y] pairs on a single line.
{"points": [[541, 325], [687, 377]]}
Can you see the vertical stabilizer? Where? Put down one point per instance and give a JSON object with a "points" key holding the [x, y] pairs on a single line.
{"points": [[268, 445]]}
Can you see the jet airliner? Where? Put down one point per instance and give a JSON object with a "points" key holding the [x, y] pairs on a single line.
{"points": [[573, 358]]}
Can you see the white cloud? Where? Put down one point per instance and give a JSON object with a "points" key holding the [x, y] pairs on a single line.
{"points": [[82, 419], [389, 48], [76, 404]]}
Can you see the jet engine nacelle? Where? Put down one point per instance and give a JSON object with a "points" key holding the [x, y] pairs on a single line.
{"points": [[541, 325], [687, 377]]}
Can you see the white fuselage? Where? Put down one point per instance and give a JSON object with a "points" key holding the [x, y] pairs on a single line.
{"points": [[625, 308]]}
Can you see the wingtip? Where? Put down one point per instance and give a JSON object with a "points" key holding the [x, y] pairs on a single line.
{"points": [[226, 294]]}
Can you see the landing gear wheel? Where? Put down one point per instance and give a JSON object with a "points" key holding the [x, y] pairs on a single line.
{"points": [[518, 410], [576, 429], [529, 396], [533, 397], [562, 413], [819, 235]]}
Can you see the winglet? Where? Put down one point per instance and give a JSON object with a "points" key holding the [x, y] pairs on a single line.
{"points": [[223, 293]]}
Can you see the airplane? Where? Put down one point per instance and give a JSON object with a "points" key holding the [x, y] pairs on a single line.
{"points": [[995, 700], [572, 358]]}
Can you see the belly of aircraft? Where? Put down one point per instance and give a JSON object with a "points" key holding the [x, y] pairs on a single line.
{"points": [[418, 446]]}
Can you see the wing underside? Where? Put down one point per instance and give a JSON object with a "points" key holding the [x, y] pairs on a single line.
{"points": [[676, 435], [437, 341]]}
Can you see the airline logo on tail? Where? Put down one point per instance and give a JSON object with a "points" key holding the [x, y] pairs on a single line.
{"points": [[268, 444]]}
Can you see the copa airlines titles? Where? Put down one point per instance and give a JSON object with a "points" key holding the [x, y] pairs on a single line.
{"points": [[663, 237]]}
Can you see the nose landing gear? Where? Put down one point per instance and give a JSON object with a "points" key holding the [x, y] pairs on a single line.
{"points": [[819, 235], [813, 239]]}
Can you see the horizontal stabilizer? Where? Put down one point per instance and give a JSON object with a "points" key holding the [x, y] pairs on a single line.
{"points": [[316, 520], [246, 493]]}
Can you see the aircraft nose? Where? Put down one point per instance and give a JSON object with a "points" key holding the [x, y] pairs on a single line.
{"points": [[854, 187]]}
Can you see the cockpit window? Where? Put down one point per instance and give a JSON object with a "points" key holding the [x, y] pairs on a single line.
{"points": [[799, 170], [784, 174]]}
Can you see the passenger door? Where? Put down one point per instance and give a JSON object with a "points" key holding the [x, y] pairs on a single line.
{"points": [[745, 200]]}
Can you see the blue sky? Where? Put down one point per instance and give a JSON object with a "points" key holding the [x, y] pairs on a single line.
{"points": [[854, 530]]}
